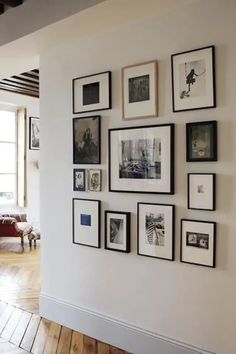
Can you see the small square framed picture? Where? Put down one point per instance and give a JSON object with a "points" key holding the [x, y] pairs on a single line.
{"points": [[117, 231], [201, 141], [201, 191], [198, 242], [79, 180], [139, 86], [86, 222], [193, 79], [94, 180], [156, 230], [92, 92]]}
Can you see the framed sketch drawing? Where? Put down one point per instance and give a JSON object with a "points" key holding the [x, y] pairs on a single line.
{"points": [[201, 191], [94, 180], [201, 141], [34, 133], [86, 222], [141, 159], [117, 231], [198, 242], [79, 180], [156, 230], [92, 92], [193, 79], [86, 140], [139, 89]]}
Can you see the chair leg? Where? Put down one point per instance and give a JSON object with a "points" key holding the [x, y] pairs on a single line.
{"points": [[22, 242]]}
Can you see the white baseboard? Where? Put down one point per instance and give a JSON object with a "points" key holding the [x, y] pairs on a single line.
{"points": [[119, 334]]}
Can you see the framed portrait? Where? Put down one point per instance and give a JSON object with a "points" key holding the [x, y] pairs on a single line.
{"points": [[201, 141], [86, 140], [92, 92], [94, 180], [117, 231], [193, 79], [201, 191], [34, 133], [139, 89], [198, 242], [156, 230], [141, 159], [86, 222], [79, 180]]}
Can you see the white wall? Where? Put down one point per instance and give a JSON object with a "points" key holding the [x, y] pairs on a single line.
{"points": [[181, 302]]}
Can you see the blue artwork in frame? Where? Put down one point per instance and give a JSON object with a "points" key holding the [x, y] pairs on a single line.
{"points": [[85, 219]]}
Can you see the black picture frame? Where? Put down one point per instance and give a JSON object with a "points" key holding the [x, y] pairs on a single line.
{"points": [[199, 204], [87, 140], [34, 133], [92, 93], [170, 252], [166, 138], [204, 150], [210, 244], [126, 244], [184, 58], [79, 186]]}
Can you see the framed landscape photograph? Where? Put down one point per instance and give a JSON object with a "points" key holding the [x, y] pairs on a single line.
{"points": [[79, 180], [201, 141], [94, 180], [92, 92], [86, 222], [34, 133], [193, 79], [201, 191], [117, 231], [86, 140], [141, 159], [198, 242], [156, 230], [139, 89]]}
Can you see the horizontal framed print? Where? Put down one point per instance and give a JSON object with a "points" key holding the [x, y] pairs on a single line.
{"points": [[156, 230], [79, 180], [201, 191], [198, 242], [86, 222], [141, 159], [92, 92], [86, 140], [193, 79], [34, 133], [117, 231], [139, 89], [94, 180], [201, 141]]}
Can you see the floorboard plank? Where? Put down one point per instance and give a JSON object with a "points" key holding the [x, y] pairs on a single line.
{"points": [[20, 328], [5, 316], [89, 345], [53, 338], [64, 341], [11, 324], [103, 348], [114, 350], [41, 337], [28, 339], [76, 343]]}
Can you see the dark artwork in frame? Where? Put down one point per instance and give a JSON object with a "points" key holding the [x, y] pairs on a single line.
{"points": [[91, 93], [202, 191], [79, 180], [139, 89], [86, 140], [117, 231]]}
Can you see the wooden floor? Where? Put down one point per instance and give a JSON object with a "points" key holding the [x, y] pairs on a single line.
{"points": [[22, 330]]}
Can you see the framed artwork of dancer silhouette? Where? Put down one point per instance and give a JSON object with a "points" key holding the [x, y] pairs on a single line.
{"points": [[193, 79]]}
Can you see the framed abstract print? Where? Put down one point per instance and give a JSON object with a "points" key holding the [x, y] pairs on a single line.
{"points": [[79, 179], [94, 180], [117, 231], [201, 191], [34, 133]]}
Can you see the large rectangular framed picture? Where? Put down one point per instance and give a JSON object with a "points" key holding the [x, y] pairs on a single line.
{"points": [[92, 92], [193, 79], [198, 242], [117, 231], [34, 133], [156, 230], [201, 191], [141, 159], [86, 222]]}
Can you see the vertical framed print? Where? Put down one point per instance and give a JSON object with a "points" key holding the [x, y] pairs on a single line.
{"points": [[117, 231], [79, 179], [156, 225], [193, 79], [201, 191], [34, 133], [86, 222], [94, 180]]}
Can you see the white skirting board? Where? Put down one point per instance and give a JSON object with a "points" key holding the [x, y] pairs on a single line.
{"points": [[119, 334]]}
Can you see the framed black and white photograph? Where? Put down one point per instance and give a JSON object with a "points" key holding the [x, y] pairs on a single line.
{"points": [[156, 230], [117, 231], [141, 159], [34, 133], [201, 141], [198, 242], [94, 180], [86, 222], [92, 92], [86, 140], [201, 191], [139, 88], [79, 179], [193, 79]]}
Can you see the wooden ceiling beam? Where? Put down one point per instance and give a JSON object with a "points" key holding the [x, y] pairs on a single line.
{"points": [[13, 84], [32, 94], [23, 80], [11, 3], [31, 76]]}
